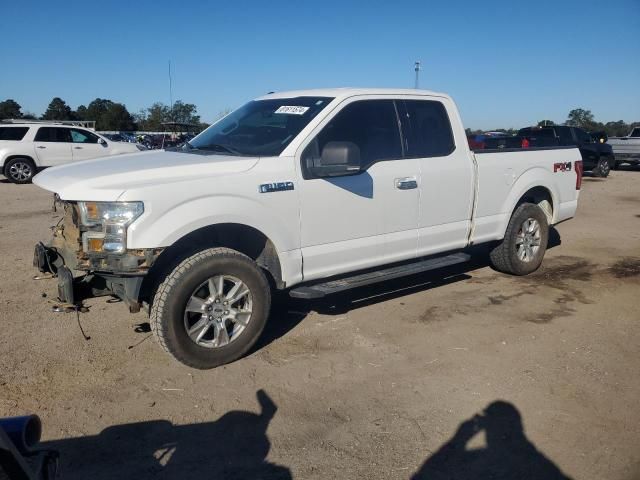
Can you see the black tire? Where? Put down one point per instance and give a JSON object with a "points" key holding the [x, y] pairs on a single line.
{"points": [[504, 257], [20, 170], [602, 169], [168, 308]]}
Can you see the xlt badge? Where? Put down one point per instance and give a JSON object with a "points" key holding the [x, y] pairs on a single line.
{"points": [[276, 187]]}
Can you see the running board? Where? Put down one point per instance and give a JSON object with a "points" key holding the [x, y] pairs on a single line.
{"points": [[320, 290]]}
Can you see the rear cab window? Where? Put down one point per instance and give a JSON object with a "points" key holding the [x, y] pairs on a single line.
{"points": [[13, 133], [427, 129]]}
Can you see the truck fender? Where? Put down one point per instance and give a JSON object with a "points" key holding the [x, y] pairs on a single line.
{"points": [[538, 178]]}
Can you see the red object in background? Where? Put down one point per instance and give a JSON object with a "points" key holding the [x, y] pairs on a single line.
{"points": [[474, 144], [579, 170], [525, 143]]}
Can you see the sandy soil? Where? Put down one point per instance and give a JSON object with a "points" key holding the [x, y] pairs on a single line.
{"points": [[377, 383]]}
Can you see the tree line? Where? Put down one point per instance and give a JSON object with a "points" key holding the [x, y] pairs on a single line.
{"points": [[110, 115], [578, 117]]}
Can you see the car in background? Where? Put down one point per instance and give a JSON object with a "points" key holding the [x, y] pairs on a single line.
{"points": [[597, 157], [26, 148], [626, 149]]}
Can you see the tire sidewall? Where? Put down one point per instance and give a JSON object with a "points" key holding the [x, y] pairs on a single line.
{"points": [[522, 213], [184, 284], [16, 160]]}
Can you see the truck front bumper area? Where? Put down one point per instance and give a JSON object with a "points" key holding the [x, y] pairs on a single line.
{"points": [[73, 290]]}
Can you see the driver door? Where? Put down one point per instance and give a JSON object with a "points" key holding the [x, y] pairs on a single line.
{"points": [[356, 221]]}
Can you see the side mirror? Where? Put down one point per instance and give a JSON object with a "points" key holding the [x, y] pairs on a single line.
{"points": [[336, 160], [102, 142]]}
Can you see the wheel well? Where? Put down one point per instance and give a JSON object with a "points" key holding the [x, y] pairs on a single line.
{"points": [[11, 157], [248, 240], [541, 197]]}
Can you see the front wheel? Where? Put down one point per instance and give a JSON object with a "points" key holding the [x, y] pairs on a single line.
{"points": [[525, 241], [211, 309]]}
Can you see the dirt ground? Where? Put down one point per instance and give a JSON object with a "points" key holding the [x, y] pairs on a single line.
{"points": [[382, 382]]}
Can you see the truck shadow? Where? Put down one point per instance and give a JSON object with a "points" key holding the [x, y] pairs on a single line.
{"points": [[235, 446], [287, 312]]}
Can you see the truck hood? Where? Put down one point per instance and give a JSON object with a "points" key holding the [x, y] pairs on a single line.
{"points": [[107, 178]]}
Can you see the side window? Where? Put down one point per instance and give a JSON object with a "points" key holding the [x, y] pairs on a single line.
{"points": [[83, 136], [371, 126], [13, 133], [429, 133], [564, 136], [582, 136], [52, 134]]}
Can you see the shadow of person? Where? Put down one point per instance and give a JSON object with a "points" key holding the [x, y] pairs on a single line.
{"points": [[233, 447], [508, 453]]}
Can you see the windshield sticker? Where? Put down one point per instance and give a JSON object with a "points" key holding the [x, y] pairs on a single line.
{"points": [[292, 110]]}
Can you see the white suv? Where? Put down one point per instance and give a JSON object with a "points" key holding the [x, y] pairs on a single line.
{"points": [[27, 147]]}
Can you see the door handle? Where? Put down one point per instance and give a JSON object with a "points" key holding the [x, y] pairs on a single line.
{"points": [[77, 148], [40, 146], [407, 183]]}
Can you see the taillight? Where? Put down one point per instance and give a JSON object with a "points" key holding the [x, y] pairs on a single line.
{"points": [[579, 171], [525, 143]]}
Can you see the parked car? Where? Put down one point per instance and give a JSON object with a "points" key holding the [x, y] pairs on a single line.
{"points": [[597, 157], [626, 149], [26, 148], [311, 192]]}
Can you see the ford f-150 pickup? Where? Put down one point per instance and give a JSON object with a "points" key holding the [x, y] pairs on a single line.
{"points": [[312, 192]]}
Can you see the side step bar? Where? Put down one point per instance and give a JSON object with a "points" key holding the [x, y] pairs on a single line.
{"points": [[320, 290]]}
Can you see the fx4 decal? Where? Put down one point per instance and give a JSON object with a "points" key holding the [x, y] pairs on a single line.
{"points": [[562, 167]]}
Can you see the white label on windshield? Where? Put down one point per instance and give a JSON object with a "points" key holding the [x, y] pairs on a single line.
{"points": [[292, 110]]}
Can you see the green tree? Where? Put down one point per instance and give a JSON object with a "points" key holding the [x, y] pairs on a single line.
{"points": [[157, 114], [107, 114], [10, 109], [117, 117], [58, 110], [579, 117], [617, 129], [81, 113], [184, 113]]}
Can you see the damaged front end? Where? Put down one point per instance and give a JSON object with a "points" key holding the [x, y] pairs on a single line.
{"points": [[90, 239]]}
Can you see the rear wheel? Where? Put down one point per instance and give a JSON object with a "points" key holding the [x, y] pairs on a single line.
{"points": [[212, 308], [20, 170], [525, 241]]}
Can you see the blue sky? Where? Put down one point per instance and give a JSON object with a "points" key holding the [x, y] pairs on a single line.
{"points": [[506, 63]]}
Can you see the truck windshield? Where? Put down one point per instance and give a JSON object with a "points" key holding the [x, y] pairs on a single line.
{"points": [[260, 127]]}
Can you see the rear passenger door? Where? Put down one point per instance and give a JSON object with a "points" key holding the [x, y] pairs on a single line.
{"points": [[446, 175], [52, 146]]}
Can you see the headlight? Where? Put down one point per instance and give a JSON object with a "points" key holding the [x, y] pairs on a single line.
{"points": [[111, 220]]}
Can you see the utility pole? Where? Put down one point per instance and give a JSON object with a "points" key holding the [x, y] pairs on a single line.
{"points": [[417, 69], [170, 91]]}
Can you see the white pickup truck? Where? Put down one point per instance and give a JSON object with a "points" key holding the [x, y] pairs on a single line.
{"points": [[312, 192], [626, 149]]}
